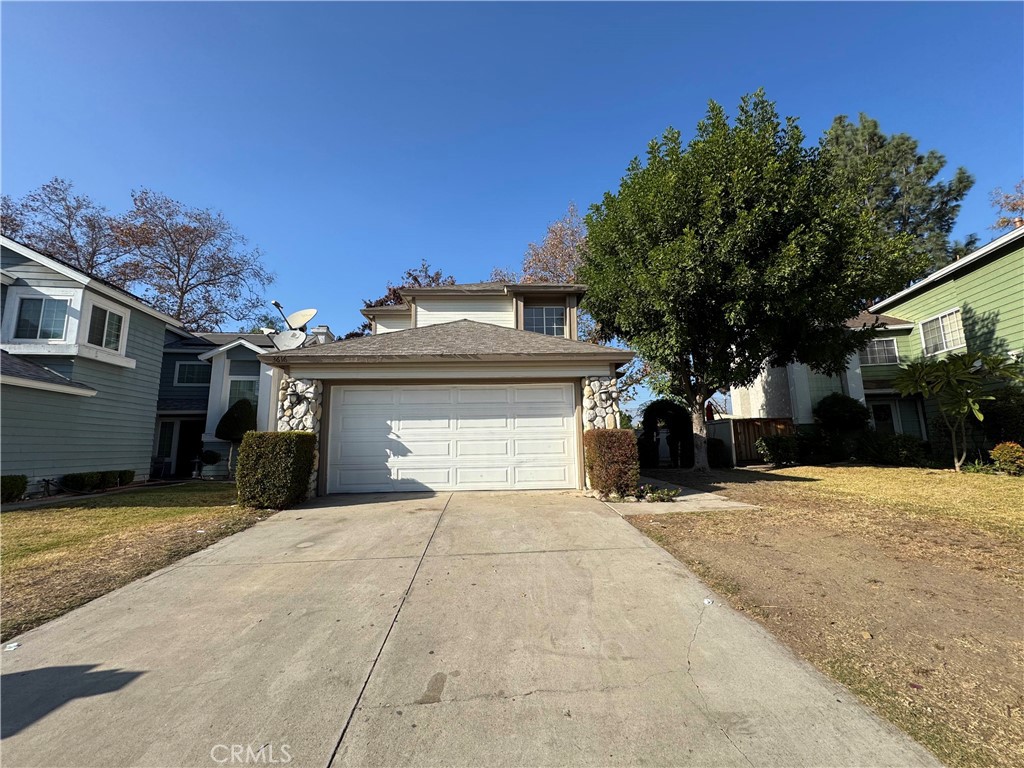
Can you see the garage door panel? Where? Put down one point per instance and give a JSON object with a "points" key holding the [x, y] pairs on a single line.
{"points": [[538, 421], [477, 448], [478, 476], [426, 395], [423, 476], [368, 396], [422, 421], [540, 474], [490, 395], [423, 449], [543, 395], [480, 421], [472, 437], [549, 447]]}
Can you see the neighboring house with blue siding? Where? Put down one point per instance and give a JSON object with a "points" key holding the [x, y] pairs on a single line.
{"points": [[203, 375], [975, 304], [80, 373]]}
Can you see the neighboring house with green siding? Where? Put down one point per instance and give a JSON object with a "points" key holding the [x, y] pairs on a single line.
{"points": [[974, 304], [80, 373]]}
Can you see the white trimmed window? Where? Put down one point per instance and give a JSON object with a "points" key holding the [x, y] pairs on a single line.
{"points": [[41, 318], [244, 389], [879, 352], [105, 328], [547, 320], [192, 374], [943, 333]]}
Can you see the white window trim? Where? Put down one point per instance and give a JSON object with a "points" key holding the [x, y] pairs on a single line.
{"points": [[118, 309], [895, 348], [178, 365], [924, 346], [12, 304]]}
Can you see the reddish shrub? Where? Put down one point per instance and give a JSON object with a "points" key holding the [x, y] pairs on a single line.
{"points": [[611, 459]]}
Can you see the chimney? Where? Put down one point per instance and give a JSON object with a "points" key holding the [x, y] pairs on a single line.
{"points": [[1018, 222], [322, 334]]}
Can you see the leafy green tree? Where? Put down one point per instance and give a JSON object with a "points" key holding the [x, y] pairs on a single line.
{"points": [[959, 383], [904, 190], [236, 421], [741, 249]]}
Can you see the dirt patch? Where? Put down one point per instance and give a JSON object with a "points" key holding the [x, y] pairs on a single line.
{"points": [[918, 612]]}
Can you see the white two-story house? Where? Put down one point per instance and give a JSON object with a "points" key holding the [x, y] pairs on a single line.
{"points": [[477, 386]]}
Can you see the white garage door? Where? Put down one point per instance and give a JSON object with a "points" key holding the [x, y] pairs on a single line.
{"points": [[445, 438]]}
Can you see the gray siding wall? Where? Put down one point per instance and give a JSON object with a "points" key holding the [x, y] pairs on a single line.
{"points": [[32, 273], [46, 434], [196, 397]]}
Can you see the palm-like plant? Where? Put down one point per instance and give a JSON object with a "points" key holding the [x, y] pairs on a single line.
{"points": [[958, 383]]}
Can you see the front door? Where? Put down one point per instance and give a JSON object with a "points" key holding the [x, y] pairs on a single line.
{"points": [[883, 415], [190, 445]]}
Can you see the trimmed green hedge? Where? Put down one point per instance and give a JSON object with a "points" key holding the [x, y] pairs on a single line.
{"points": [[610, 456], [12, 487], [85, 482], [274, 469]]}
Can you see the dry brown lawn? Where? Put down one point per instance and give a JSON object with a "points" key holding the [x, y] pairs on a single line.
{"points": [[906, 585], [55, 558]]}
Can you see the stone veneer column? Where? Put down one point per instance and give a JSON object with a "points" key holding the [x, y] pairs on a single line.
{"points": [[300, 407], [600, 412]]}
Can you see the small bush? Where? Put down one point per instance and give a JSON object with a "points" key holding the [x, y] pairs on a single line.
{"points": [[719, 455], [81, 482], [109, 478], [86, 482], [611, 459], [841, 414], [1008, 458], [777, 450], [978, 468], [894, 450], [654, 493], [274, 468], [12, 487]]}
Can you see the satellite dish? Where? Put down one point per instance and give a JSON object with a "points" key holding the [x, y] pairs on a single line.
{"points": [[298, 320], [288, 339]]}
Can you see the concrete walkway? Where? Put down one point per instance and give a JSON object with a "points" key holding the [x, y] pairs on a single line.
{"points": [[453, 629]]}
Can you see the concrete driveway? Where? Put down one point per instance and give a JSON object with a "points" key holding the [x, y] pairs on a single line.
{"points": [[451, 629]]}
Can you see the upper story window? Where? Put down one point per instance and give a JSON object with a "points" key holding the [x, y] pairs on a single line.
{"points": [[879, 352], [244, 389], [192, 374], [105, 328], [943, 333], [41, 318], [546, 320]]}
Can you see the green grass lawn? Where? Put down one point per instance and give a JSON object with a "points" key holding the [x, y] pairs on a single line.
{"points": [[55, 558]]}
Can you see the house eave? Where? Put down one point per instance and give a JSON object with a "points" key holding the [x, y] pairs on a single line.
{"points": [[956, 266], [619, 358], [64, 389]]}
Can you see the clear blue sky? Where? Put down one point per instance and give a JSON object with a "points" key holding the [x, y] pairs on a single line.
{"points": [[349, 141]]}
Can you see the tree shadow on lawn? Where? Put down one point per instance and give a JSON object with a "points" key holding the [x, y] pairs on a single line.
{"points": [[720, 479]]}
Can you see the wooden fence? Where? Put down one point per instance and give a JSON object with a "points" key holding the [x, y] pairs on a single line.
{"points": [[746, 431]]}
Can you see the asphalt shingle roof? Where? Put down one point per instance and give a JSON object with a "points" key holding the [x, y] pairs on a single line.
{"points": [[20, 368], [457, 340]]}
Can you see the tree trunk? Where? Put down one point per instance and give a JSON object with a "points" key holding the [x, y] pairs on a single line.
{"points": [[700, 435]]}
